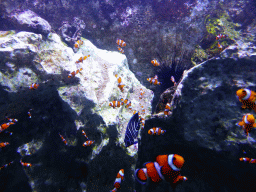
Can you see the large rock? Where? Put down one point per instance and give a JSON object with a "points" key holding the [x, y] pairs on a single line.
{"points": [[63, 105]]}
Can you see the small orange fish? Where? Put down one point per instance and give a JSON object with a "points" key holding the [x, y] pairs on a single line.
{"points": [[247, 159], [5, 126], [3, 144], [141, 93], [247, 97], [155, 62], [120, 50], [84, 134], [88, 143], [167, 109], [6, 165], [115, 104], [120, 42], [156, 131], [12, 120], [78, 44], [25, 164], [173, 80], [120, 85], [247, 123], [220, 36], [220, 47], [73, 74], [81, 59], [119, 178], [34, 86], [64, 140], [154, 80], [29, 114]]}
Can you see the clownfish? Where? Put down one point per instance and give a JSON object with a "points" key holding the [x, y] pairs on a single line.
{"points": [[119, 178], [5, 126], [64, 140], [120, 50], [3, 144], [72, 74], [247, 98], [115, 104], [220, 36], [141, 93], [167, 109], [154, 80], [84, 134], [173, 80], [155, 62], [247, 159], [81, 59], [29, 114], [127, 103], [12, 120], [34, 86], [120, 43], [120, 85], [156, 131], [220, 47], [142, 123], [247, 123], [166, 167], [88, 143], [6, 165], [78, 44], [25, 164]]}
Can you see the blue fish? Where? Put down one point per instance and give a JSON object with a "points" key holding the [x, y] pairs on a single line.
{"points": [[132, 130]]}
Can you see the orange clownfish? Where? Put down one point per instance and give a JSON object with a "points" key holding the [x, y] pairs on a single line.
{"points": [[155, 62], [5, 126], [81, 59], [156, 131], [6, 165], [12, 120], [29, 114], [120, 85], [115, 104], [25, 164], [88, 143], [247, 123], [84, 134], [154, 80], [220, 36], [247, 159], [78, 44], [141, 93], [220, 47], [247, 98], [34, 86], [72, 74], [120, 42], [173, 80], [127, 103], [64, 140], [120, 50], [3, 144], [119, 178], [166, 167], [167, 109]]}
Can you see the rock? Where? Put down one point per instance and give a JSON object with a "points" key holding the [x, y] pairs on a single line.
{"points": [[30, 21], [63, 105]]}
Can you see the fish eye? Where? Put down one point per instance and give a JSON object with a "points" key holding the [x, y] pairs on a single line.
{"points": [[244, 91]]}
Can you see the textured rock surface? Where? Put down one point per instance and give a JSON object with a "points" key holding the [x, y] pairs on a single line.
{"points": [[203, 128], [65, 105]]}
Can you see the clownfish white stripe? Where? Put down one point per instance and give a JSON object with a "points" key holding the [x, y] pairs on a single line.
{"points": [[248, 94], [245, 119], [170, 162], [158, 169], [118, 180]]}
